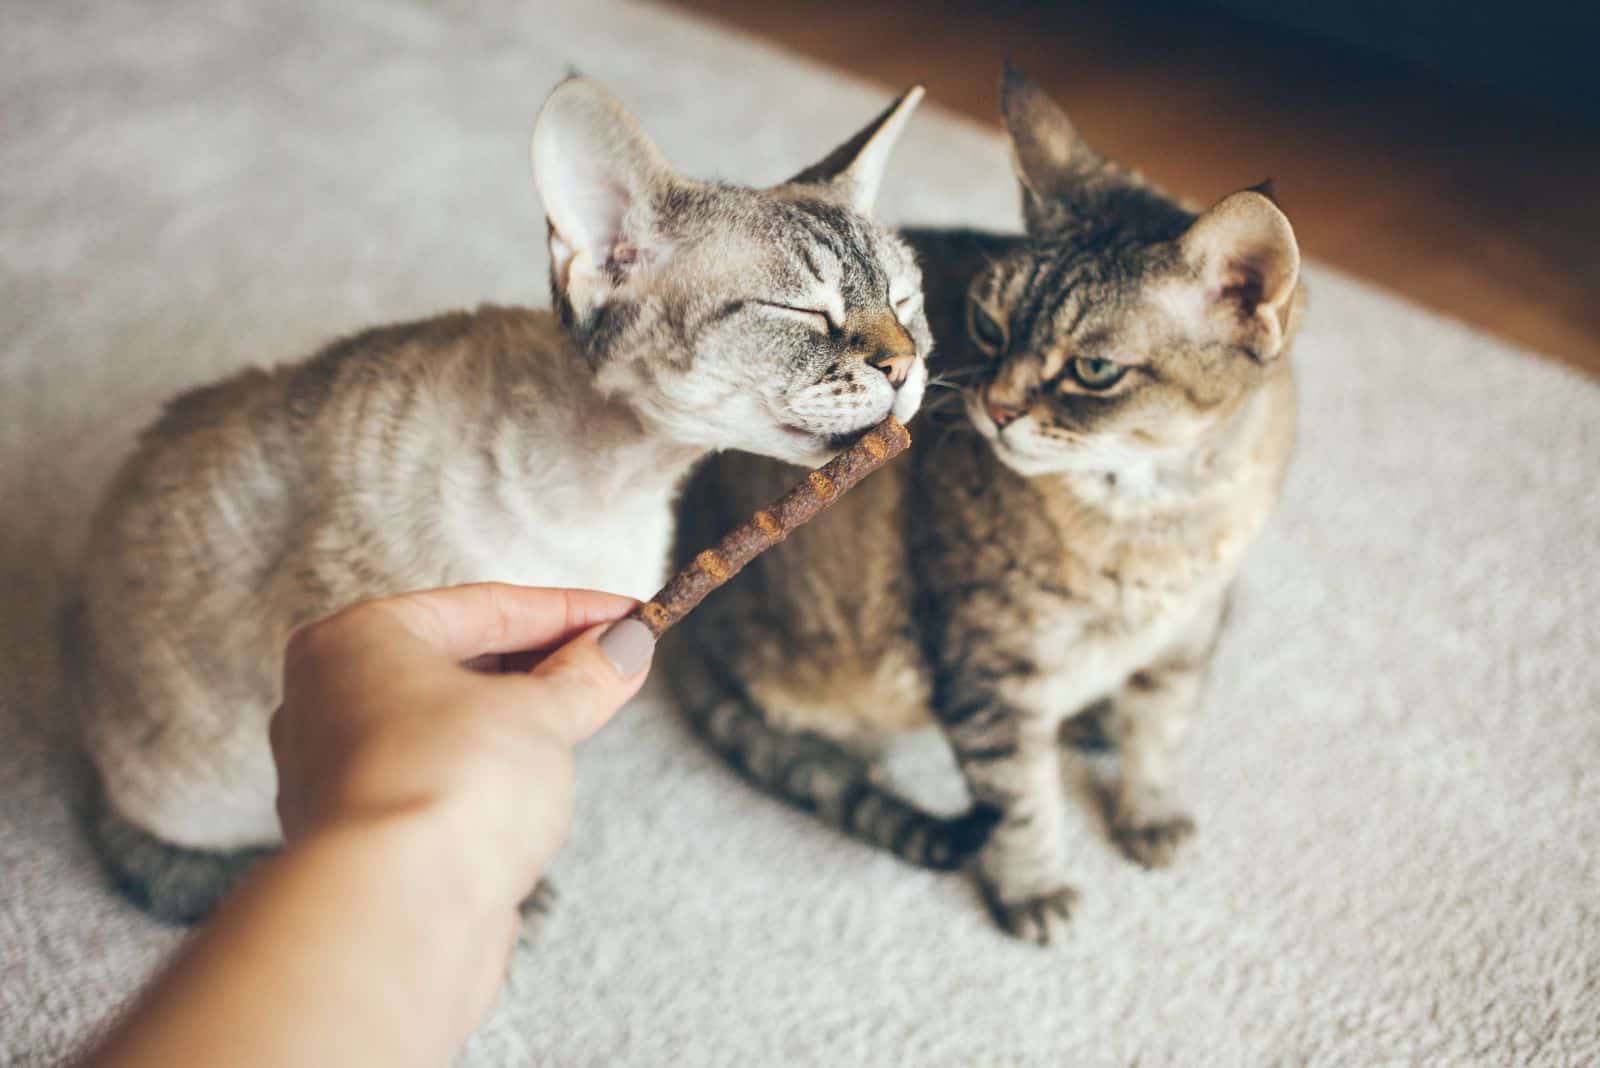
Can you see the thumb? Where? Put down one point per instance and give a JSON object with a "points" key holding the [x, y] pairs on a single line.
{"points": [[585, 681]]}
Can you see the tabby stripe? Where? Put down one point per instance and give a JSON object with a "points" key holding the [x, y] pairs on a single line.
{"points": [[988, 754], [982, 713], [854, 797], [811, 263], [822, 231], [957, 715], [900, 842], [732, 307]]}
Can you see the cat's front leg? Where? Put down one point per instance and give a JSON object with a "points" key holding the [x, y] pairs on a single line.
{"points": [[1012, 769], [1147, 721]]}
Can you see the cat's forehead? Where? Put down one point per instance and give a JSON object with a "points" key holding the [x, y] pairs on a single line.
{"points": [[826, 242], [1061, 296], [791, 240], [1126, 307], [815, 240]]}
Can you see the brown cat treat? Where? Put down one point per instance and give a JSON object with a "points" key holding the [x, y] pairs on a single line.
{"points": [[771, 525]]}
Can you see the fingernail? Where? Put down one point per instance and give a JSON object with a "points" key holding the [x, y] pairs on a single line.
{"points": [[628, 644]]}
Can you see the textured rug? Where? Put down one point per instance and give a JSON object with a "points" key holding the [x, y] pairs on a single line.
{"points": [[1395, 775]]}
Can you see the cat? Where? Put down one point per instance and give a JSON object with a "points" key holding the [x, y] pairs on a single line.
{"points": [[541, 447], [1059, 544]]}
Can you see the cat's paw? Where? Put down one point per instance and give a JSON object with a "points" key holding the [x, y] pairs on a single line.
{"points": [[535, 911], [1154, 842], [1040, 919], [952, 842]]}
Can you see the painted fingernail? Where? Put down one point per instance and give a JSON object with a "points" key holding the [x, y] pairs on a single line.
{"points": [[628, 644]]}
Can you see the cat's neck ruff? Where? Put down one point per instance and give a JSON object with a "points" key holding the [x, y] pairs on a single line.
{"points": [[559, 484], [586, 440]]}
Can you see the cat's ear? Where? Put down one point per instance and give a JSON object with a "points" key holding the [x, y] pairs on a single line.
{"points": [[1051, 161], [855, 169], [1245, 255], [600, 178]]}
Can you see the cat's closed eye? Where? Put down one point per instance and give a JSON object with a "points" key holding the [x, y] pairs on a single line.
{"points": [[1096, 374], [986, 330], [816, 318], [907, 306]]}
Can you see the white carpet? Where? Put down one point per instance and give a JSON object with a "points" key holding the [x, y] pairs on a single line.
{"points": [[1395, 776]]}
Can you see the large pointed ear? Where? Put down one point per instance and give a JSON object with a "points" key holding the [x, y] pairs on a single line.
{"points": [[1052, 162], [855, 169], [600, 178], [1248, 262]]}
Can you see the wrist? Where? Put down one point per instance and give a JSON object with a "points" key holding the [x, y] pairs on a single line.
{"points": [[425, 855], [435, 914], [377, 952]]}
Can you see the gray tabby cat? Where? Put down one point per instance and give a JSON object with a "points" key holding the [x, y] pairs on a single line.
{"points": [[537, 447], [1062, 543]]}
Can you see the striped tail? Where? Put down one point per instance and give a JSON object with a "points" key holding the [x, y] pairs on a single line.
{"points": [[817, 774], [175, 884]]}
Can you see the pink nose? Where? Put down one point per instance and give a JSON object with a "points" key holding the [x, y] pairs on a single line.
{"points": [[896, 366], [1002, 414]]}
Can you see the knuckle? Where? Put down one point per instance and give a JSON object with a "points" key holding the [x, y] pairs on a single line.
{"points": [[313, 639], [303, 642], [324, 637], [276, 728], [501, 613]]}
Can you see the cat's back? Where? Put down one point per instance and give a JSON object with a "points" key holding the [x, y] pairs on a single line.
{"points": [[211, 480], [223, 491], [229, 470]]}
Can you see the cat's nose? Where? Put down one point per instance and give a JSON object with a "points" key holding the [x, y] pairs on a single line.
{"points": [[883, 341], [896, 366], [1002, 414]]}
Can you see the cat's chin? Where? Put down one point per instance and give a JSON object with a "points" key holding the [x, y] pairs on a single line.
{"points": [[1023, 464], [809, 448]]}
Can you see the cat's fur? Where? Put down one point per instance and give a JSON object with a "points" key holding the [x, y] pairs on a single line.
{"points": [[998, 582], [537, 447]]}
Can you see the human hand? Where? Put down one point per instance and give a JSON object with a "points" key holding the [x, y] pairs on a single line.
{"points": [[382, 722], [419, 800]]}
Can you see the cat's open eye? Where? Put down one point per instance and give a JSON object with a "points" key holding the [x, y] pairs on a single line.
{"points": [[1096, 374], [985, 329], [816, 318]]}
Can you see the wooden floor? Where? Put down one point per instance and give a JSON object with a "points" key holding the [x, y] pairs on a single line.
{"points": [[1484, 208]]}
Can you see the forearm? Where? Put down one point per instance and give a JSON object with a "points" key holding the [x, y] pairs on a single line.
{"points": [[359, 945]]}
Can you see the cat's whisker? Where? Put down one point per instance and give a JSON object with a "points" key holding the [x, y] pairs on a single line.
{"points": [[943, 403]]}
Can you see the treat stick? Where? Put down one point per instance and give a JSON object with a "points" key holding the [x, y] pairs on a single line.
{"points": [[771, 525]]}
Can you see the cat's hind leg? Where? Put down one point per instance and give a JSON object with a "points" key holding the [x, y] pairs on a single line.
{"points": [[817, 773]]}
